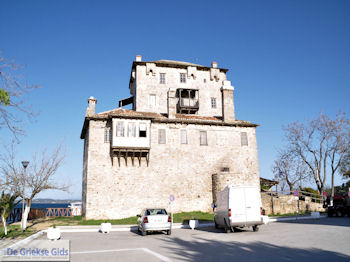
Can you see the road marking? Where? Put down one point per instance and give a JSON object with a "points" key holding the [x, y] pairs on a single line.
{"points": [[161, 257]]}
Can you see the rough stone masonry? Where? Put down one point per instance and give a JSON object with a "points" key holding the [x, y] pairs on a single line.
{"points": [[180, 130]]}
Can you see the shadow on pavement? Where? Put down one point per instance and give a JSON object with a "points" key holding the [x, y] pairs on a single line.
{"points": [[213, 250], [329, 221]]}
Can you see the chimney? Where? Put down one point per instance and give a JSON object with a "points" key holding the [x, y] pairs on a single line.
{"points": [[138, 58], [172, 103], [228, 108], [214, 64], [90, 111]]}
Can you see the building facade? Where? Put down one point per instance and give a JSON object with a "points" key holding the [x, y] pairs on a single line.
{"points": [[180, 136]]}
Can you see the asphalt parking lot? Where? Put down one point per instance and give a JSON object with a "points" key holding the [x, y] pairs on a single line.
{"points": [[327, 239]]}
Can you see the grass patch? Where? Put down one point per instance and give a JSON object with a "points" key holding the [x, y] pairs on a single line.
{"points": [[178, 218], [183, 217], [14, 231], [290, 214], [76, 218], [124, 221]]}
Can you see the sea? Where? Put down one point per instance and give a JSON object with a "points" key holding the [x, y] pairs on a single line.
{"points": [[45, 205]]}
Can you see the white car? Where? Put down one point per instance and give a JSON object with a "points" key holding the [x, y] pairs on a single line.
{"points": [[154, 219]]}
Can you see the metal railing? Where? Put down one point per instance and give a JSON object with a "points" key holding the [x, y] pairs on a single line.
{"points": [[58, 212]]}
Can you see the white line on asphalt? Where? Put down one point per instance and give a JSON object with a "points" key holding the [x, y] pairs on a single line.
{"points": [[161, 257]]}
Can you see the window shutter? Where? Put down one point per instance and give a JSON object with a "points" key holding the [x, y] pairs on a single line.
{"points": [[161, 136], [203, 138], [142, 127], [120, 128], [131, 130], [183, 137], [244, 139]]}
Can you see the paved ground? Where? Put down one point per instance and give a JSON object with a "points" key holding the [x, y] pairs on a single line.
{"points": [[321, 240]]}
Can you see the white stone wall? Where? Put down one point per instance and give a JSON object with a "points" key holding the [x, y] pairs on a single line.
{"points": [[147, 84], [184, 170]]}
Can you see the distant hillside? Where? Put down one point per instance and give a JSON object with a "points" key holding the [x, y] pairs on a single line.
{"points": [[50, 200]]}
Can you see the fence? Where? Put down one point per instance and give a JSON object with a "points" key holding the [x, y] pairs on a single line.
{"points": [[58, 212], [285, 202], [35, 213]]}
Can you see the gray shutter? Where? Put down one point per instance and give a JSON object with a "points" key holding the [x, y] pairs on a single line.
{"points": [[244, 139], [161, 136], [203, 138], [183, 136]]}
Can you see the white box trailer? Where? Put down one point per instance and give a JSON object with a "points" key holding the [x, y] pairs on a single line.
{"points": [[238, 207]]}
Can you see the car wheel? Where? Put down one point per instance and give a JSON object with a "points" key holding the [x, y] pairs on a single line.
{"points": [[256, 228], [339, 213], [168, 232], [227, 229]]}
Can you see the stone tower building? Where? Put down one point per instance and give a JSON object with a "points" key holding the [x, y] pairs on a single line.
{"points": [[181, 137]]}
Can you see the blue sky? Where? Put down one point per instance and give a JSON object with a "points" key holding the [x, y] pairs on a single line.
{"points": [[288, 60]]}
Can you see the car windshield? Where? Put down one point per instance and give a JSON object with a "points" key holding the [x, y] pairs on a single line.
{"points": [[150, 212]]}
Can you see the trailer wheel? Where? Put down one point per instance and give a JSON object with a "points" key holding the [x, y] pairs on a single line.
{"points": [[256, 228]]}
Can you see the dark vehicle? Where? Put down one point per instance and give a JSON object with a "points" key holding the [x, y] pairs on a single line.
{"points": [[340, 206]]}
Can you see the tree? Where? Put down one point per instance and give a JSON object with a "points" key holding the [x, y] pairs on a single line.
{"points": [[38, 178], [290, 170], [321, 143], [7, 204], [12, 90], [345, 166]]}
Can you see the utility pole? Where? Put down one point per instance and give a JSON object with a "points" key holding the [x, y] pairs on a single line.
{"points": [[25, 164]]}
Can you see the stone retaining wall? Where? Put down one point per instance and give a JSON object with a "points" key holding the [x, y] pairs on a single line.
{"points": [[286, 204]]}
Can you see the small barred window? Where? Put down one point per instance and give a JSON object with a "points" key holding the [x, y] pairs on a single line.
{"points": [[213, 102], [108, 135], [162, 78], [182, 78]]}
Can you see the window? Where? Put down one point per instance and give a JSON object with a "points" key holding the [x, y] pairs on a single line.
{"points": [[244, 139], [162, 78], [120, 128], [142, 130], [152, 100], [182, 78], [183, 136], [132, 130], [213, 102], [161, 136], [203, 138], [107, 135]]}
